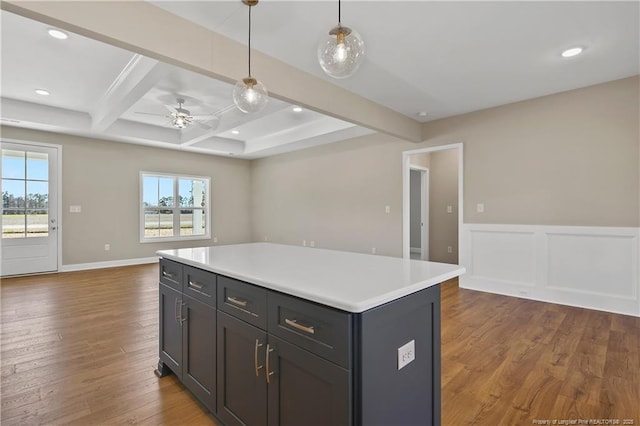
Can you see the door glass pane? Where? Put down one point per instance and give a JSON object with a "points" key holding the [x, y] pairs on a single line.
{"points": [[13, 224], [37, 223], [13, 194], [37, 166], [37, 195], [13, 164]]}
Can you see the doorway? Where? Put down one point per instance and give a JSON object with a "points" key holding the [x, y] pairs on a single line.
{"points": [[30, 208], [444, 202], [419, 212]]}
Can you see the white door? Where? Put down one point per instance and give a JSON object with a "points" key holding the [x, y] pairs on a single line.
{"points": [[29, 209]]}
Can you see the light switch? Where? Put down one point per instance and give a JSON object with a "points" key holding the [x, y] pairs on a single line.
{"points": [[449, 209], [480, 208], [387, 209], [75, 209]]}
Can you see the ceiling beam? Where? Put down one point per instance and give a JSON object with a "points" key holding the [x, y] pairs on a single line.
{"points": [[134, 81], [144, 28]]}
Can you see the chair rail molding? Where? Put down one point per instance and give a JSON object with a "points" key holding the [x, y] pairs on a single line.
{"points": [[584, 266]]}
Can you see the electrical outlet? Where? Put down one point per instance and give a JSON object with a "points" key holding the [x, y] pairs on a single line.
{"points": [[406, 354], [373, 250], [480, 208], [107, 247], [266, 238], [312, 243], [387, 209], [215, 239], [304, 243], [449, 249]]}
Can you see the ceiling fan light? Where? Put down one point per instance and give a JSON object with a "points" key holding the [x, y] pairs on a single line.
{"points": [[250, 95]]}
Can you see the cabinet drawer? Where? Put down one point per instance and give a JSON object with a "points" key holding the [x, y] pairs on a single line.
{"points": [[244, 301], [200, 285], [171, 274], [319, 329]]}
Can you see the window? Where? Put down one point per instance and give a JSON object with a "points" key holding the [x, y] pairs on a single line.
{"points": [[25, 194], [174, 207]]}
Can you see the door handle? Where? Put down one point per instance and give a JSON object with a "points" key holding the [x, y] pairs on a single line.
{"points": [[269, 373], [255, 357]]}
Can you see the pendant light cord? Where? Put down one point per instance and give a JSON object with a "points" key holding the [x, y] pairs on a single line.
{"points": [[250, 40], [339, 20]]}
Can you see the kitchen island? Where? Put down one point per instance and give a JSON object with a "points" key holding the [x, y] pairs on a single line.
{"points": [[282, 335]]}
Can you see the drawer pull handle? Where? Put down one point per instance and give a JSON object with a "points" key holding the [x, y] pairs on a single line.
{"points": [[294, 323], [196, 285], [255, 357], [269, 373], [237, 302], [167, 274]]}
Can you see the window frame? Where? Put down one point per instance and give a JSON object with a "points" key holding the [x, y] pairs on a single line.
{"points": [[176, 218]]}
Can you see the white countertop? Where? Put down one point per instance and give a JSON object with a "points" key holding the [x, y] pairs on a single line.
{"points": [[352, 282]]}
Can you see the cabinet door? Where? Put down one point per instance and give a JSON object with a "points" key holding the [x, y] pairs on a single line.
{"points": [[171, 329], [242, 387], [198, 350], [305, 389]]}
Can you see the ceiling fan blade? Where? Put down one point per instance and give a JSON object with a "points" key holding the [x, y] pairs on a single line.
{"points": [[203, 117], [171, 109], [150, 113]]}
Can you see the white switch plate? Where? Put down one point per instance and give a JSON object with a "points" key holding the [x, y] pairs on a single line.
{"points": [[387, 209], [480, 208], [75, 209], [449, 209], [406, 354]]}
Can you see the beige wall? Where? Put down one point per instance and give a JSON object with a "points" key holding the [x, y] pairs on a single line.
{"points": [[103, 178], [443, 192], [565, 159], [334, 194]]}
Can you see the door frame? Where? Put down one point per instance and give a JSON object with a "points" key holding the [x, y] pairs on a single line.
{"points": [[424, 210], [58, 191], [406, 217]]}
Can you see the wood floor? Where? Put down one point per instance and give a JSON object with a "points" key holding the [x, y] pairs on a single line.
{"points": [[80, 348]]}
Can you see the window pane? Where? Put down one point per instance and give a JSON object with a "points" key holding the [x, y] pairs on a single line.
{"points": [[37, 223], [150, 191], [192, 222], [158, 223], [151, 223], [13, 225], [37, 195], [186, 192], [37, 166], [12, 164], [165, 192], [13, 193]]}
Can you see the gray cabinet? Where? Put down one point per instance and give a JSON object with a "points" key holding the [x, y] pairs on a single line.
{"points": [[263, 379], [258, 357], [188, 329]]}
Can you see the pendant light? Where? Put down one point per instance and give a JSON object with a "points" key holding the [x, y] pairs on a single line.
{"points": [[249, 94], [342, 51]]}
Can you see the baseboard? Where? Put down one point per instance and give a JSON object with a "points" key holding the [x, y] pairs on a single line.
{"points": [[108, 264], [588, 267]]}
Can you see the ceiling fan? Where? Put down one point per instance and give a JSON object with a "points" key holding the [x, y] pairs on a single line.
{"points": [[180, 118]]}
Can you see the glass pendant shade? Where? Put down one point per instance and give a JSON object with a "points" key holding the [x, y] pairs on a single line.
{"points": [[250, 95], [341, 52]]}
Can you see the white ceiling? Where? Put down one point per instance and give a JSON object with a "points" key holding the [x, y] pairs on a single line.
{"points": [[444, 58]]}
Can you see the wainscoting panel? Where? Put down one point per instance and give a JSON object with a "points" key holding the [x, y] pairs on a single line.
{"points": [[591, 267]]}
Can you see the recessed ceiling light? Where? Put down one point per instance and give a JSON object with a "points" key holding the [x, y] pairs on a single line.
{"points": [[297, 109], [422, 114], [60, 35], [235, 132], [42, 92], [572, 52]]}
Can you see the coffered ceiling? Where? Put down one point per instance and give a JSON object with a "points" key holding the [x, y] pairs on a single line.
{"points": [[440, 58]]}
